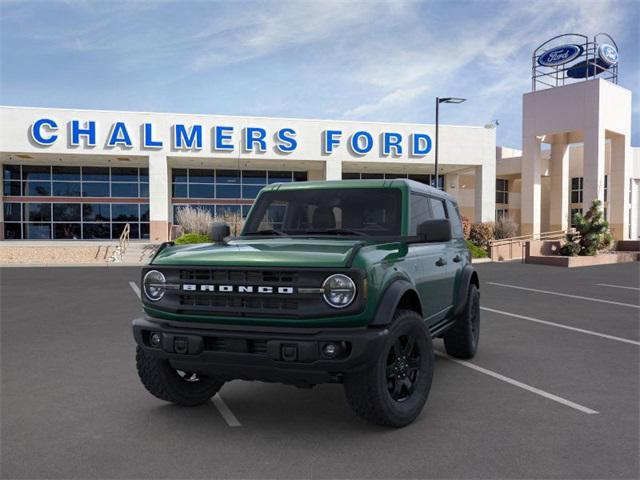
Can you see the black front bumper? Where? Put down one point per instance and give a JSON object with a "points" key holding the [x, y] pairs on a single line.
{"points": [[293, 356]]}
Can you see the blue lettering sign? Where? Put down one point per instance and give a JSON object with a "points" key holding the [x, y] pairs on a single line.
{"points": [[147, 137], [331, 139], [222, 137], [89, 131], [420, 144], [357, 146], [391, 140], [119, 136], [286, 140], [36, 131], [255, 136], [186, 139]]}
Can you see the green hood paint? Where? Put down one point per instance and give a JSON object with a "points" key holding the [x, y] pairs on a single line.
{"points": [[272, 252]]}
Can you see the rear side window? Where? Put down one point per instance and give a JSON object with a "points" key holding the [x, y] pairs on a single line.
{"points": [[420, 212], [456, 223], [437, 208]]}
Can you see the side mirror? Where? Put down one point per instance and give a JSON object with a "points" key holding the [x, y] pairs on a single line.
{"points": [[435, 230], [220, 231]]}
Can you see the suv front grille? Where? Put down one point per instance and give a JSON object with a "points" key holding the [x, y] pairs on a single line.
{"points": [[236, 303]]}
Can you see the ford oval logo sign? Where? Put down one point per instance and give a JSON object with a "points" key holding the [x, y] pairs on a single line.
{"points": [[608, 54], [560, 55]]}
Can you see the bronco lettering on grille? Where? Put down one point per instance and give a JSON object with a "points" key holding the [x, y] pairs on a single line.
{"points": [[193, 287]]}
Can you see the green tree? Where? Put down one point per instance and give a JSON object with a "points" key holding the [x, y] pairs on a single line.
{"points": [[591, 235]]}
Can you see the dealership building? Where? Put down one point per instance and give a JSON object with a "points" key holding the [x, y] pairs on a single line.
{"points": [[85, 174]]}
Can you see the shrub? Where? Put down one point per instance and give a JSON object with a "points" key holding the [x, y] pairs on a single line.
{"points": [[194, 220], [591, 233], [466, 227], [188, 238], [505, 227], [481, 234], [476, 251]]}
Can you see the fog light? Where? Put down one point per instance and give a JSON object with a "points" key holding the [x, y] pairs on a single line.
{"points": [[330, 350], [155, 339]]}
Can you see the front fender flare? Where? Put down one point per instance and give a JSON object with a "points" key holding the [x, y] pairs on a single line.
{"points": [[390, 300]]}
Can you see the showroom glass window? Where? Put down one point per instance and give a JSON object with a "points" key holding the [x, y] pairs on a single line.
{"points": [[77, 201], [426, 179], [208, 189]]}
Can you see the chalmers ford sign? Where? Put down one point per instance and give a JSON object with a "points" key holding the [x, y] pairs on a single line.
{"points": [[46, 132]]}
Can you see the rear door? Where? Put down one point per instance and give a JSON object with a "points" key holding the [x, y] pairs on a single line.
{"points": [[447, 264], [423, 263]]}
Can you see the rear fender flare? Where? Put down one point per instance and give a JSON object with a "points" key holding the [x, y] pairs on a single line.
{"points": [[468, 277]]}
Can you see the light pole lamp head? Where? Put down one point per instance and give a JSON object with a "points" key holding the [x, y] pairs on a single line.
{"points": [[451, 100]]}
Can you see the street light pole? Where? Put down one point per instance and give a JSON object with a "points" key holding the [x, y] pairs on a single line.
{"points": [[437, 142], [438, 102]]}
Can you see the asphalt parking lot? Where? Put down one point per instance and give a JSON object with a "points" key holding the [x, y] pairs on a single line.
{"points": [[552, 393]]}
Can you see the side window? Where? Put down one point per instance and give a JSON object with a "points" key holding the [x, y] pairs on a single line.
{"points": [[456, 223], [419, 212], [437, 207]]}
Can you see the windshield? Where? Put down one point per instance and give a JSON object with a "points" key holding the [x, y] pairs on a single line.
{"points": [[327, 211]]}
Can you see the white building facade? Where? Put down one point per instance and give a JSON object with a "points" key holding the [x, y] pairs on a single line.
{"points": [[85, 174]]}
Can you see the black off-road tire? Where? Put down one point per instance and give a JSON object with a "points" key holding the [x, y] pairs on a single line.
{"points": [[168, 384], [461, 341], [371, 393]]}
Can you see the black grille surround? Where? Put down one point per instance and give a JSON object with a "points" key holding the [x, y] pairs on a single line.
{"points": [[289, 293]]}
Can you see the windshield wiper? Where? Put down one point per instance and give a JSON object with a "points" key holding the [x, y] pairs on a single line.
{"points": [[337, 231], [268, 231]]}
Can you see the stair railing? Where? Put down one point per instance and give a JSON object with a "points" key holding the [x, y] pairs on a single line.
{"points": [[123, 244]]}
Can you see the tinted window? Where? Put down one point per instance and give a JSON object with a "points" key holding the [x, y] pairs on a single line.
{"points": [[201, 176], [66, 212], [11, 172], [96, 212], [37, 189], [437, 208], [95, 189], [124, 174], [12, 189], [124, 189], [66, 173], [95, 173], [419, 211], [456, 223], [12, 212], [37, 212], [71, 231], [370, 211], [124, 212], [66, 189], [32, 172]]}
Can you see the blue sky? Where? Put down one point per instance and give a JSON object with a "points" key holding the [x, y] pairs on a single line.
{"points": [[365, 60]]}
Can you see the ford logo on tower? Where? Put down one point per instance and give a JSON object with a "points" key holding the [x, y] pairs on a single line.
{"points": [[608, 54], [560, 55]]}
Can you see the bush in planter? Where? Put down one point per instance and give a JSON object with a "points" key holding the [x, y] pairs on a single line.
{"points": [[189, 238], [481, 234], [194, 220], [505, 227], [476, 251], [591, 235]]}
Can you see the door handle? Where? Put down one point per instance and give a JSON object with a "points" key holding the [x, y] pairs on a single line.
{"points": [[441, 262], [457, 258]]}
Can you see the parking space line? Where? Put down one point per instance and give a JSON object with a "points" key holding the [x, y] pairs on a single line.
{"points": [[225, 411], [579, 297], [617, 286], [135, 288], [524, 386], [566, 327]]}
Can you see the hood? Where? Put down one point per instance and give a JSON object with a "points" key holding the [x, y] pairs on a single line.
{"points": [[271, 252]]}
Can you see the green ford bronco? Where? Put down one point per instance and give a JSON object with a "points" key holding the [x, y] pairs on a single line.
{"points": [[337, 281]]}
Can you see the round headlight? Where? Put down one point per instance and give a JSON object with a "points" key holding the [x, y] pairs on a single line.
{"points": [[154, 285], [339, 290]]}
